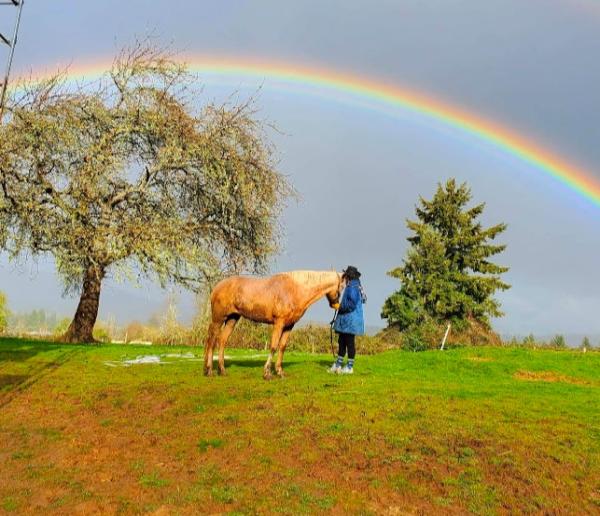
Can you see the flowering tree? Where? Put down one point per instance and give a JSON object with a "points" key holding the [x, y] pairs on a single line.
{"points": [[126, 175]]}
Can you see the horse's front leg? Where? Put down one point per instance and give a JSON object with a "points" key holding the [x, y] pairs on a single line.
{"points": [[275, 338], [285, 335]]}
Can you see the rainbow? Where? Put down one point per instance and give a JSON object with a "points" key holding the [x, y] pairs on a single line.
{"points": [[379, 93]]}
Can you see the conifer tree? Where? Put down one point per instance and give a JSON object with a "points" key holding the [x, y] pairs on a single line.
{"points": [[586, 344], [447, 274]]}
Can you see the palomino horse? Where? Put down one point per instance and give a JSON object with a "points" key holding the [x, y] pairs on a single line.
{"points": [[280, 300]]}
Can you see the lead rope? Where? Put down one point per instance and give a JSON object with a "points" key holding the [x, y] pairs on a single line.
{"points": [[335, 314], [331, 333]]}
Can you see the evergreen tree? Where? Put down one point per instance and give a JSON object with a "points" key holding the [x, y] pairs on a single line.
{"points": [[447, 274], [586, 344]]}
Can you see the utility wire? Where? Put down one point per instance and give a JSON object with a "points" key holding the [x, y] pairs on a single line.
{"points": [[11, 43]]}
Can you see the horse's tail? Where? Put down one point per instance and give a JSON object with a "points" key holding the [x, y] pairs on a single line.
{"points": [[212, 333], [211, 339]]}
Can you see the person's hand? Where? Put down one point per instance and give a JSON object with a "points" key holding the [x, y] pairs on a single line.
{"points": [[335, 306]]}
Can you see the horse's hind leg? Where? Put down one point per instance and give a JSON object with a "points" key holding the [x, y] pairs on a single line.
{"points": [[213, 333], [225, 333]]}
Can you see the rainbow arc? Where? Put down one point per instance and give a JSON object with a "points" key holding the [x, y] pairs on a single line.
{"points": [[379, 93]]}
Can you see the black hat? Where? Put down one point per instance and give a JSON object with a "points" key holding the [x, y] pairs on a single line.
{"points": [[351, 272]]}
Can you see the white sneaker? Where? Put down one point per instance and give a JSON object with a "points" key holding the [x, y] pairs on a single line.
{"points": [[336, 369], [347, 370]]}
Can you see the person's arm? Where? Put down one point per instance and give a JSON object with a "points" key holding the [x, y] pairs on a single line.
{"points": [[350, 299]]}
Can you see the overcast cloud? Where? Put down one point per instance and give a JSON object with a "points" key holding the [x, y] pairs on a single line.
{"points": [[532, 66]]}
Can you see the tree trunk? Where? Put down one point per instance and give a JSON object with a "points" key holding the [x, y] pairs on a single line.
{"points": [[80, 329]]}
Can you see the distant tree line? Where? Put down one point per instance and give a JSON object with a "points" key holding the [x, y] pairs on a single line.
{"points": [[164, 328], [35, 320]]}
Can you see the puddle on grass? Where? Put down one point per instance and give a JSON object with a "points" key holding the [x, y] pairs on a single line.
{"points": [[168, 358], [145, 359]]}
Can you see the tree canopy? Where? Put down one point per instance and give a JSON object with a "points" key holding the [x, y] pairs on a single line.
{"points": [[447, 274], [130, 176]]}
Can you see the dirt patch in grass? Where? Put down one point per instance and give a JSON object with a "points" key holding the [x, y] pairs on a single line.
{"points": [[480, 359], [549, 376]]}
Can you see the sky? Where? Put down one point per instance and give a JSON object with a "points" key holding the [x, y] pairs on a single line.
{"points": [[530, 66]]}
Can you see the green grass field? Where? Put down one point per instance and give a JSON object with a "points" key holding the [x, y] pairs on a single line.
{"points": [[482, 430]]}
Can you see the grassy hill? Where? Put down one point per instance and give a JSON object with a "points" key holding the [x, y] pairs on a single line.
{"points": [[485, 430]]}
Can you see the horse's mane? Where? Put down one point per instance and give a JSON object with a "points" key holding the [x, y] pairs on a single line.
{"points": [[312, 278]]}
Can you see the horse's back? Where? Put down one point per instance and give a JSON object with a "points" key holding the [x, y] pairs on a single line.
{"points": [[238, 283], [230, 290], [257, 298]]}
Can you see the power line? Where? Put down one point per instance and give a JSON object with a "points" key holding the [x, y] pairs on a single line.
{"points": [[11, 44]]}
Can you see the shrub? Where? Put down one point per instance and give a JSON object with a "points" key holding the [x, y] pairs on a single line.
{"points": [[317, 339], [414, 340], [558, 341], [171, 335], [312, 338], [101, 332], [427, 335], [171, 332], [371, 344], [472, 333], [249, 335], [199, 330], [134, 331], [61, 327]]}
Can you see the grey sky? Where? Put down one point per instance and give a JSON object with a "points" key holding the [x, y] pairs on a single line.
{"points": [[530, 65]]}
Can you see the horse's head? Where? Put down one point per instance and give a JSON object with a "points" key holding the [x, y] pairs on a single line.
{"points": [[334, 295]]}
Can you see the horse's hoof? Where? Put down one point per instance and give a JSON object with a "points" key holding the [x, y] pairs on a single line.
{"points": [[222, 372], [208, 372], [267, 376], [280, 374]]}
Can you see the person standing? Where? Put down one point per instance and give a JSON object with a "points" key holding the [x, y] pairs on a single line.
{"points": [[349, 321]]}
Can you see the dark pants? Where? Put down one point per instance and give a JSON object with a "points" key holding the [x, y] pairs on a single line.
{"points": [[346, 342]]}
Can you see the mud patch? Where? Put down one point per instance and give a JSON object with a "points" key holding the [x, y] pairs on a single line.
{"points": [[549, 376]]}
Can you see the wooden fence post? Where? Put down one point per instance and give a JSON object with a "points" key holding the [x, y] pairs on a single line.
{"points": [[445, 337]]}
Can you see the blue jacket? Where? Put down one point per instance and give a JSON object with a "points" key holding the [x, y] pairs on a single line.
{"points": [[350, 315]]}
